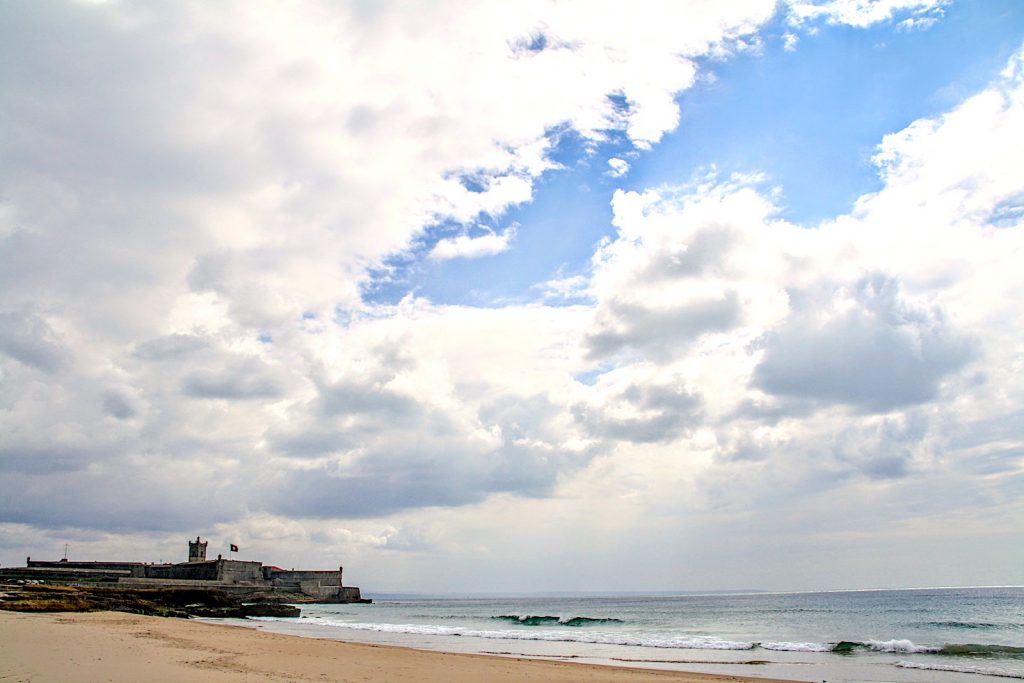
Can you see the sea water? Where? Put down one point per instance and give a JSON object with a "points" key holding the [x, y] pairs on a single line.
{"points": [[946, 635]]}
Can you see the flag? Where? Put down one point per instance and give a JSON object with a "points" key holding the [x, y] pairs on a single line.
{"points": [[234, 548]]}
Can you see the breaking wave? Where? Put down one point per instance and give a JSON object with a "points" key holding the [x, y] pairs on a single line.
{"points": [[796, 647], [533, 620], [555, 634]]}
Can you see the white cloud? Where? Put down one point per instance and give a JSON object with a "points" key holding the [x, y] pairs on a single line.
{"points": [[863, 13], [465, 246], [565, 288], [617, 167]]}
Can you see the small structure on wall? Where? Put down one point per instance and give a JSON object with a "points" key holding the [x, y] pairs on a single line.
{"points": [[197, 550]]}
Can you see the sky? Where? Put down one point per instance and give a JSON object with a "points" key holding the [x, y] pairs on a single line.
{"points": [[516, 297]]}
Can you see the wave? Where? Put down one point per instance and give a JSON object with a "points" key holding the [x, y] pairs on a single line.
{"points": [[550, 635], [972, 625], [557, 633], [533, 620], [847, 647], [969, 625], [984, 671], [900, 646], [977, 650], [907, 647], [796, 647]]}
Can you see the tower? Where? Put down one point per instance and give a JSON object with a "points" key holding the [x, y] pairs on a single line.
{"points": [[197, 550]]}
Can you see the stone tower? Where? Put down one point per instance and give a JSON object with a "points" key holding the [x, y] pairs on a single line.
{"points": [[197, 550]]}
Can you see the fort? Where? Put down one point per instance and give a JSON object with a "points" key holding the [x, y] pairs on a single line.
{"points": [[245, 579]]}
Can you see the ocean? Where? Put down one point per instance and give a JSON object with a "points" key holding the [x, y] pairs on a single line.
{"points": [[923, 635]]}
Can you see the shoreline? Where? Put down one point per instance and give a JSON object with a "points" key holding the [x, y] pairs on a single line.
{"points": [[117, 646]]}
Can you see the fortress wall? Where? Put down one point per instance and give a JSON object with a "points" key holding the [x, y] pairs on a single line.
{"points": [[234, 589], [189, 571], [233, 571], [316, 590], [106, 566], [183, 583], [62, 573], [294, 578], [350, 593]]}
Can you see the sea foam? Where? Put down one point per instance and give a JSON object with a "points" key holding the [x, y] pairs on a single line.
{"points": [[983, 671], [901, 646], [537, 620], [547, 635], [796, 647]]}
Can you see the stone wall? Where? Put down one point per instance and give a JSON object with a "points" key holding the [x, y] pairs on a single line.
{"points": [[234, 571], [284, 577], [132, 568], [189, 571], [350, 594]]}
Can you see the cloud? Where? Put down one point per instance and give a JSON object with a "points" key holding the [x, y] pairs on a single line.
{"points": [[114, 498], [641, 413], [571, 287], [29, 339], [436, 472], [617, 167], [864, 13], [170, 347], [119, 405], [390, 452], [242, 380], [878, 353], [860, 350], [49, 459], [659, 332], [244, 165], [464, 246]]}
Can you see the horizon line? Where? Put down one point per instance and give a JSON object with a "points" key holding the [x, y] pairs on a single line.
{"points": [[679, 592]]}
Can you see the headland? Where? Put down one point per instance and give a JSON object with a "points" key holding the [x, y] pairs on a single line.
{"points": [[218, 587]]}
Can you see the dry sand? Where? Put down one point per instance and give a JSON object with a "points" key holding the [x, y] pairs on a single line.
{"points": [[112, 646]]}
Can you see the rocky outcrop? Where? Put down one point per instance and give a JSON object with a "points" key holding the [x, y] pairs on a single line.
{"points": [[158, 601]]}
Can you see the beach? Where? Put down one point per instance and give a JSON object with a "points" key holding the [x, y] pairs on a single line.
{"points": [[114, 646]]}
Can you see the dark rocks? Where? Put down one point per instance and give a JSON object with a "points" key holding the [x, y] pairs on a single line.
{"points": [[157, 601], [271, 610]]}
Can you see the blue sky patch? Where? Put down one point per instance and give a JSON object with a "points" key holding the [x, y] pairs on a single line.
{"points": [[809, 118]]}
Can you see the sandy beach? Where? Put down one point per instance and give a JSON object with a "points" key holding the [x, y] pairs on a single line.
{"points": [[113, 646]]}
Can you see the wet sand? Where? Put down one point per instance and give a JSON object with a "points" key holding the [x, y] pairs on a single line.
{"points": [[118, 647]]}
